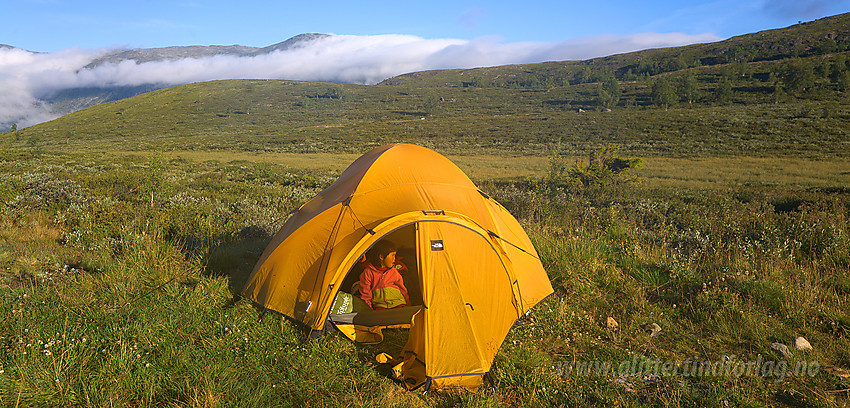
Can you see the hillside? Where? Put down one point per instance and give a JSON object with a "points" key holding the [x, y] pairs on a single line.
{"points": [[758, 118], [819, 38]]}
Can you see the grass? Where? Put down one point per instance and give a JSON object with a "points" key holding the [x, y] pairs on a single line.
{"points": [[112, 300], [659, 171]]}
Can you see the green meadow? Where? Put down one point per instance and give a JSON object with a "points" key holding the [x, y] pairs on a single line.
{"points": [[128, 229], [122, 273]]}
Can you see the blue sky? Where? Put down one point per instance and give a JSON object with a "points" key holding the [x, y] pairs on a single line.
{"points": [[53, 25]]}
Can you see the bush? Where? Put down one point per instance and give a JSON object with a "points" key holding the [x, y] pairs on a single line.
{"points": [[604, 167]]}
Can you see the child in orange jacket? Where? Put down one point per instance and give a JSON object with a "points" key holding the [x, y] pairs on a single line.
{"points": [[381, 285]]}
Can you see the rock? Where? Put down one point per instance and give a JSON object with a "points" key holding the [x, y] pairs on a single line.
{"points": [[800, 343], [653, 328], [612, 324], [781, 349]]}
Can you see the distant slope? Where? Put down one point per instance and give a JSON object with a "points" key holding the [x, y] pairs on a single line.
{"points": [[283, 116], [820, 37]]}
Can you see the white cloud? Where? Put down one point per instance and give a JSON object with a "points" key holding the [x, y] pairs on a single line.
{"points": [[27, 78]]}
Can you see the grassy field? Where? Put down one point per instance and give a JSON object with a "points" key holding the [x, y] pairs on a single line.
{"points": [[658, 171], [121, 270]]}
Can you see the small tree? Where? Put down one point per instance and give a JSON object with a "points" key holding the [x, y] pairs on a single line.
{"points": [[608, 91], [842, 80], [662, 93], [723, 91], [799, 76], [779, 94], [688, 88], [605, 167]]}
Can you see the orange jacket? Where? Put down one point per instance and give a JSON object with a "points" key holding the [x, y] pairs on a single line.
{"points": [[374, 282]]}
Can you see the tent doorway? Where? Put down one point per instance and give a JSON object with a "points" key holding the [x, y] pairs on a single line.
{"points": [[404, 239], [361, 323]]}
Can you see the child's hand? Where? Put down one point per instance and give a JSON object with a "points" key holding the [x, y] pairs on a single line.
{"points": [[399, 265]]}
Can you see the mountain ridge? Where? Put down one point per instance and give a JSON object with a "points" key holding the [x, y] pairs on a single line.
{"points": [[818, 37], [143, 55]]}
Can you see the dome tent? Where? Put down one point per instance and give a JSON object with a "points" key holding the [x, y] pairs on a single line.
{"points": [[472, 267]]}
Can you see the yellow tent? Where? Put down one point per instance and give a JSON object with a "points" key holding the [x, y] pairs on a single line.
{"points": [[472, 269]]}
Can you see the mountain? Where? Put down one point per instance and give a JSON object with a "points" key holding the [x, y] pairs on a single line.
{"points": [[143, 55], [72, 99]]}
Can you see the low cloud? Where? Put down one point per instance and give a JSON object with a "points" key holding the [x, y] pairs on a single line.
{"points": [[27, 78]]}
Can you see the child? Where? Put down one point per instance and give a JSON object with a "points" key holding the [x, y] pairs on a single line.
{"points": [[381, 286]]}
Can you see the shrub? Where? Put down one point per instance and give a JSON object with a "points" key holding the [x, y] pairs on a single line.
{"points": [[42, 190], [604, 167]]}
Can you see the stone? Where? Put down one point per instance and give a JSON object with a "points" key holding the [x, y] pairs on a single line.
{"points": [[800, 343], [781, 349], [612, 324], [653, 328]]}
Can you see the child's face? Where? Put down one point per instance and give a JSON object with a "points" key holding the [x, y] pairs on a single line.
{"points": [[389, 260]]}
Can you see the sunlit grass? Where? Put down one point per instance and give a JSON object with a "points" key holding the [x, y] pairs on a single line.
{"points": [[726, 255], [714, 172]]}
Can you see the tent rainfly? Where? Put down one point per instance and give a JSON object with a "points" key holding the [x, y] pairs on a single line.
{"points": [[472, 270]]}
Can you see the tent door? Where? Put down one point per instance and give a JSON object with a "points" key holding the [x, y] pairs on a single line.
{"points": [[468, 299]]}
